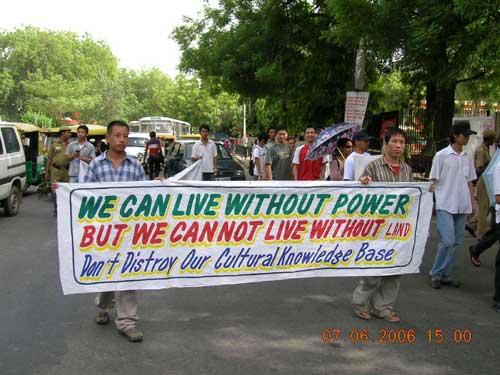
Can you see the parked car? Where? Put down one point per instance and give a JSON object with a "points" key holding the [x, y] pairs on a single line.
{"points": [[136, 145], [12, 168], [179, 157]]}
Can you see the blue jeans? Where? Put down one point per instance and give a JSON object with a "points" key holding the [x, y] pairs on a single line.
{"points": [[451, 229]]}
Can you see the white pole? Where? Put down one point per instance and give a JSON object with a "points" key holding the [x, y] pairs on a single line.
{"points": [[245, 123]]}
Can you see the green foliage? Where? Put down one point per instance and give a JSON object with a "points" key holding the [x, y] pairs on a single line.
{"points": [[274, 51], [38, 119], [53, 72], [438, 44], [44, 73]]}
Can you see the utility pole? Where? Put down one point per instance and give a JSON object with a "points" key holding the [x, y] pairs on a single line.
{"points": [[245, 122], [359, 69]]}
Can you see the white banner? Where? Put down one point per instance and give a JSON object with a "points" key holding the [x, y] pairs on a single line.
{"points": [[355, 106], [161, 234]]}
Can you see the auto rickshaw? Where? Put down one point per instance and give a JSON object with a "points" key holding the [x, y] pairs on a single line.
{"points": [[195, 137], [35, 152], [168, 140], [49, 135]]}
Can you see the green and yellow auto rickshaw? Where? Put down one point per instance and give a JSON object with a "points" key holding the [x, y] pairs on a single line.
{"points": [[35, 152]]}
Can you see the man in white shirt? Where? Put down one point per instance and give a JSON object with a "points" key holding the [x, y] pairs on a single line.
{"points": [[452, 174], [361, 142], [259, 157], [206, 150]]}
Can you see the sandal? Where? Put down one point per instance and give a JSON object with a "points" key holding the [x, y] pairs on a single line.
{"points": [[474, 258], [390, 316], [361, 312]]}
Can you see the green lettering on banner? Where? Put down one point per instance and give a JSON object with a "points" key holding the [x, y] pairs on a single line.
{"points": [[109, 204], [340, 202], [388, 202], [402, 204], [145, 206], [127, 212], [235, 204], [89, 207], [160, 206]]}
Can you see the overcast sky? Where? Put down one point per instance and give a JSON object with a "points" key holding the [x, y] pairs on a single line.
{"points": [[136, 30]]}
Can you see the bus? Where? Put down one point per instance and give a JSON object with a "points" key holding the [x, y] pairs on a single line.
{"points": [[163, 126]]}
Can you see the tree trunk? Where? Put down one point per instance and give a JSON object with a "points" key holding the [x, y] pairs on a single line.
{"points": [[440, 111]]}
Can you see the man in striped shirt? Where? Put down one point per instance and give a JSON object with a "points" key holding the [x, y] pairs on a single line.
{"points": [[375, 295], [115, 165]]}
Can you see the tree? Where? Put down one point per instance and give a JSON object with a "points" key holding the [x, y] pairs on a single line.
{"points": [[439, 44], [55, 72], [274, 51]]}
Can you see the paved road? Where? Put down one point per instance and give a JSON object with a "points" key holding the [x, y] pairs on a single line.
{"points": [[261, 328]]}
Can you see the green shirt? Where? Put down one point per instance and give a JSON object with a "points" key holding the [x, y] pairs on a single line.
{"points": [[280, 158]]}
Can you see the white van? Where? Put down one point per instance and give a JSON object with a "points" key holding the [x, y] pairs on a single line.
{"points": [[136, 145], [12, 169]]}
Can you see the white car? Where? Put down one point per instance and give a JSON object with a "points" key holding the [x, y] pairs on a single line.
{"points": [[12, 168], [136, 145]]}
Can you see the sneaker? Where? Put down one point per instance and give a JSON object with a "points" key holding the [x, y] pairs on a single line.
{"points": [[102, 318], [132, 335], [435, 283], [452, 283]]}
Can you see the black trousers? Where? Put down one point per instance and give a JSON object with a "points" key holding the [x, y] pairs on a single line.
{"points": [[207, 176], [153, 167], [489, 238]]}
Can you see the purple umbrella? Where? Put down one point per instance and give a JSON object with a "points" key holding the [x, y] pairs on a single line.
{"points": [[327, 139]]}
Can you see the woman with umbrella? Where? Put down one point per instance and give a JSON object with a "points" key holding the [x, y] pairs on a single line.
{"points": [[343, 150]]}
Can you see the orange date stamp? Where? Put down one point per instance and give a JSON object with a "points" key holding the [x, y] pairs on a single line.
{"points": [[397, 336]]}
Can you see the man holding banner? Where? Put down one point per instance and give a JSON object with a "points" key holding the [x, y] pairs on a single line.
{"points": [[115, 165], [375, 295]]}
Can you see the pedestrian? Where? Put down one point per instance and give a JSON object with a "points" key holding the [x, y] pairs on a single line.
{"points": [[292, 141], [308, 170], [79, 150], [338, 157], [481, 160], [271, 137], [361, 144], [376, 295], [114, 165], [452, 173], [206, 150], [279, 158], [259, 157], [154, 147], [496, 187], [57, 163]]}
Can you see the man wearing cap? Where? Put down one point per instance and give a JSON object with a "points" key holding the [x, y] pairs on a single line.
{"points": [[481, 160], [452, 173], [57, 163], [361, 144]]}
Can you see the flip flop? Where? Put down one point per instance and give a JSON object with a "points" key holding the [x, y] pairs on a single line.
{"points": [[362, 312], [390, 316]]}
